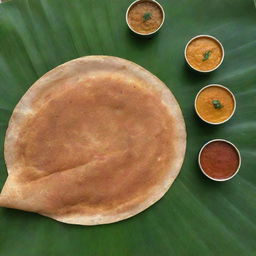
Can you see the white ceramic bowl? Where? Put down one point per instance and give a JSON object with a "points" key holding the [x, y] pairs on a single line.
{"points": [[137, 1], [206, 71], [214, 85], [239, 156]]}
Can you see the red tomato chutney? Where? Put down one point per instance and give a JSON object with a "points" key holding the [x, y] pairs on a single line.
{"points": [[219, 159]]}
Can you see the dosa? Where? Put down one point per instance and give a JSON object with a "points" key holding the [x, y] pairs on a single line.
{"points": [[95, 140]]}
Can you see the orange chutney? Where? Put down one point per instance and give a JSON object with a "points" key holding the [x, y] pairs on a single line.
{"points": [[204, 53], [145, 17], [208, 110]]}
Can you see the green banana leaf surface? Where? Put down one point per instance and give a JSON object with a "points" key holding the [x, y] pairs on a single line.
{"points": [[197, 216]]}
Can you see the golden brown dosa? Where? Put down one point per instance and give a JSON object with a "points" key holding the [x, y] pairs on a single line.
{"points": [[95, 140]]}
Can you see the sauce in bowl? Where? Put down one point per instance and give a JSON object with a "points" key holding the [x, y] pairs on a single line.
{"points": [[215, 104], [219, 160], [145, 17], [204, 53]]}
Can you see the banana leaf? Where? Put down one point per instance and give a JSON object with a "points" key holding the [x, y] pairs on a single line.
{"points": [[197, 216]]}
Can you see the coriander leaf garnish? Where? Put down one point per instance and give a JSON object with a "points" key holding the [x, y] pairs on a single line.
{"points": [[207, 55], [217, 104], [147, 16]]}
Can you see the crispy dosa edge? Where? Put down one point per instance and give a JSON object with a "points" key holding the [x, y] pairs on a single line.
{"points": [[10, 196]]}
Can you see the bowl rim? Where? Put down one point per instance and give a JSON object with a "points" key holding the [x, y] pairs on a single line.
{"points": [[209, 36], [135, 2], [221, 86], [230, 143]]}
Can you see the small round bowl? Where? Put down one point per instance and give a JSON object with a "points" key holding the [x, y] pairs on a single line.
{"points": [[215, 85], [215, 39], [151, 33], [238, 153]]}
